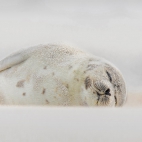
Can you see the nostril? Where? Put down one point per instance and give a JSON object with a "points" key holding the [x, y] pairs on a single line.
{"points": [[107, 92]]}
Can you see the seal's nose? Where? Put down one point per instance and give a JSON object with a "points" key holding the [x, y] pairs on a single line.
{"points": [[107, 92]]}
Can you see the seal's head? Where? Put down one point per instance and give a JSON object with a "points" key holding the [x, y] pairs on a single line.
{"points": [[105, 85]]}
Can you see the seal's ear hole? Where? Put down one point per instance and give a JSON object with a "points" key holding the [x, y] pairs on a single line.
{"points": [[87, 82], [109, 76]]}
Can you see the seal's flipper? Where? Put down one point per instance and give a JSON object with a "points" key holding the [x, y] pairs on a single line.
{"points": [[12, 60], [16, 58]]}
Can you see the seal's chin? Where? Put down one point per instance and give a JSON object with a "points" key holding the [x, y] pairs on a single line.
{"points": [[105, 101]]}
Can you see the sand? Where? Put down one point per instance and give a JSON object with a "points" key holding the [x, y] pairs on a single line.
{"points": [[46, 124], [73, 124], [134, 100]]}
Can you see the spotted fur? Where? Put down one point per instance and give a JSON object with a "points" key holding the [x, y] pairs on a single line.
{"points": [[61, 76]]}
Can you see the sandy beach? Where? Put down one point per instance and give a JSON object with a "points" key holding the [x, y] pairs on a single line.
{"points": [[134, 100]]}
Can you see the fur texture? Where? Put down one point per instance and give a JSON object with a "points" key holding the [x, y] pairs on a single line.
{"points": [[59, 75]]}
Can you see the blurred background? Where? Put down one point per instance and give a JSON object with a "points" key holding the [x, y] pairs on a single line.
{"points": [[110, 29]]}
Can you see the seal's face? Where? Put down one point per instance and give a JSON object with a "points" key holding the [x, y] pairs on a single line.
{"points": [[102, 92], [105, 86]]}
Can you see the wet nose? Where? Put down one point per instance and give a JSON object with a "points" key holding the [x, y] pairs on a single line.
{"points": [[107, 92]]}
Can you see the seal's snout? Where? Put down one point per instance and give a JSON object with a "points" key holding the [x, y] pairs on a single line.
{"points": [[103, 87]]}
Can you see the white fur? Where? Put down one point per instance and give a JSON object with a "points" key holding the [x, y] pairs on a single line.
{"points": [[49, 75]]}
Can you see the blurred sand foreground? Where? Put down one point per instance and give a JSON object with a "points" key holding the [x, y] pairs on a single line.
{"points": [[65, 124], [72, 124]]}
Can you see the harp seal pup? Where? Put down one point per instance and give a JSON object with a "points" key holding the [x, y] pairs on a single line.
{"points": [[59, 75]]}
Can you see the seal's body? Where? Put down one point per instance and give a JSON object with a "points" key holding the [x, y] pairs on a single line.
{"points": [[59, 75]]}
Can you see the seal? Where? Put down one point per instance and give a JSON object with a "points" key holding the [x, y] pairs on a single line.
{"points": [[59, 75]]}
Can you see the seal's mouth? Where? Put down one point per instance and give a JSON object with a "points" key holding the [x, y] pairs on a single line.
{"points": [[104, 100]]}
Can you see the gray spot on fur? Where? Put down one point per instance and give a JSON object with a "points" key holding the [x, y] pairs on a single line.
{"points": [[20, 83], [76, 79], [24, 94], [47, 101], [44, 90], [70, 66], [91, 60], [91, 67], [45, 68], [67, 86], [87, 82]]}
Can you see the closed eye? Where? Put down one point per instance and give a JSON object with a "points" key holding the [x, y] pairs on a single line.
{"points": [[115, 100], [109, 76]]}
